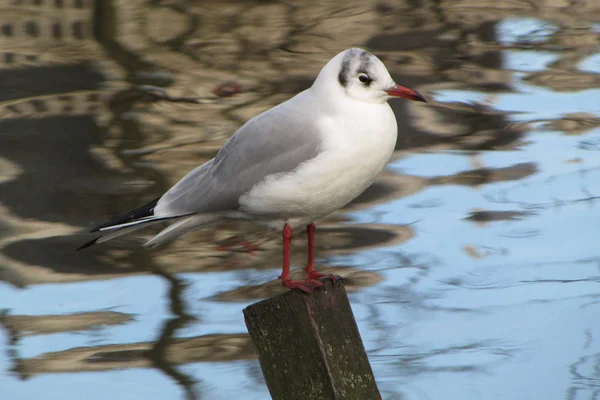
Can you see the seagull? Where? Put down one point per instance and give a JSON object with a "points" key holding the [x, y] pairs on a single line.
{"points": [[289, 166]]}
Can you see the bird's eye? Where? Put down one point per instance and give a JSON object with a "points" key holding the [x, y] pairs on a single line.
{"points": [[364, 78]]}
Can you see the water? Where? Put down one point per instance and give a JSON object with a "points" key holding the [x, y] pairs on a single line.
{"points": [[473, 265]]}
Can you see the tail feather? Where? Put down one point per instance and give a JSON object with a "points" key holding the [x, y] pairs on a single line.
{"points": [[88, 244], [118, 233], [180, 227], [142, 221], [136, 219]]}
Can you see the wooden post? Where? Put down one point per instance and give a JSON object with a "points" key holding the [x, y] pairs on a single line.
{"points": [[309, 347]]}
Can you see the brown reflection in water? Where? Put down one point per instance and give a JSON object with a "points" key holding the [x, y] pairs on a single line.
{"points": [[573, 41], [573, 123], [53, 259], [483, 217], [466, 127], [483, 176], [27, 325], [219, 347], [389, 186], [81, 139], [353, 280], [479, 252]]}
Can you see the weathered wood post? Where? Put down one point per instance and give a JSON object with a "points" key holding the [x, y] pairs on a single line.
{"points": [[309, 347]]}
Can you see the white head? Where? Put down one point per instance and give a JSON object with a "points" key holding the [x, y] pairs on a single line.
{"points": [[361, 76]]}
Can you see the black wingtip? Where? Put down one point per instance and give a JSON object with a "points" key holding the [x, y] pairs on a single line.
{"points": [[140, 212], [88, 244]]}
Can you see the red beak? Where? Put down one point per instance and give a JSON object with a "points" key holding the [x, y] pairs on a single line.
{"points": [[401, 91]]}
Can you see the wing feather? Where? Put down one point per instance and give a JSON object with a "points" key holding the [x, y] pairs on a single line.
{"points": [[276, 141]]}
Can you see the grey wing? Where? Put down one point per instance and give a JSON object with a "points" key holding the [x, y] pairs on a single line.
{"points": [[273, 142]]}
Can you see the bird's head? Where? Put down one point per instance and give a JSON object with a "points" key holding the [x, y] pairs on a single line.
{"points": [[363, 77]]}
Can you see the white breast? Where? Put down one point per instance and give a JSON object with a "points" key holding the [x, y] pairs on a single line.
{"points": [[356, 148]]}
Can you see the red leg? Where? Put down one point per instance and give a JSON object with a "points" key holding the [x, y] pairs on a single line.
{"points": [[311, 272], [307, 285], [287, 240]]}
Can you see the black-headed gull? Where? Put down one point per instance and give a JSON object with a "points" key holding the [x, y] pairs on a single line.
{"points": [[290, 165]]}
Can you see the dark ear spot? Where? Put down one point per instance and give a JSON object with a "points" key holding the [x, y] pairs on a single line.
{"points": [[342, 79], [344, 71]]}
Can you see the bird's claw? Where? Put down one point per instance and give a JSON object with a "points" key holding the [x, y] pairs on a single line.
{"points": [[317, 275], [307, 285]]}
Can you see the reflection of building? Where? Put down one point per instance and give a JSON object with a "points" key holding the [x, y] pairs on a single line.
{"points": [[53, 93], [28, 26]]}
